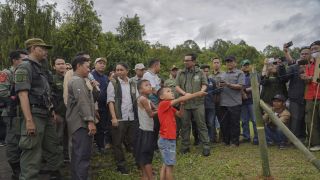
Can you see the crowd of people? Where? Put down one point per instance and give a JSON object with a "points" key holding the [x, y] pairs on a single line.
{"points": [[62, 117]]}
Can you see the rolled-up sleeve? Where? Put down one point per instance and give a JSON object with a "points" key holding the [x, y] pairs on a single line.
{"points": [[204, 80], [178, 83], [110, 93], [84, 98]]}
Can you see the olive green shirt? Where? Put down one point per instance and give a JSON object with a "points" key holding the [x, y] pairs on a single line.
{"points": [[29, 76], [191, 81], [171, 83], [57, 95]]}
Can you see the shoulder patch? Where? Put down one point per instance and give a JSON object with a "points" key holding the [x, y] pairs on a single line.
{"points": [[21, 75], [3, 77]]}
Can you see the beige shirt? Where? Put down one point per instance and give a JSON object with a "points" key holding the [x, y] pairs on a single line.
{"points": [[66, 80], [284, 116]]}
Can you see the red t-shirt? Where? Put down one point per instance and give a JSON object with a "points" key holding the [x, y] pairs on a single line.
{"points": [[166, 114], [311, 88]]}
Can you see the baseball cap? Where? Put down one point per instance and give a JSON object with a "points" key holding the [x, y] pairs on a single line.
{"points": [[245, 61], [315, 43], [173, 67], [36, 42], [279, 97], [230, 58], [139, 66], [100, 59]]}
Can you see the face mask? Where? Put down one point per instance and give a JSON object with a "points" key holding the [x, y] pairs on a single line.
{"points": [[315, 54]]}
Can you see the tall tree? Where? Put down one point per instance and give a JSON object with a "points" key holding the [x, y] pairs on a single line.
{"points": [[131, 48], [81, 31], [220, 47], [24, 19]]}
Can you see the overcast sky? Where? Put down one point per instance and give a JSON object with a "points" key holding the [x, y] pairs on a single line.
{"points": [[258, 22]]}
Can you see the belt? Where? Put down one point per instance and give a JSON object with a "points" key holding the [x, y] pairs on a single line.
{"points": [[40, 106]]}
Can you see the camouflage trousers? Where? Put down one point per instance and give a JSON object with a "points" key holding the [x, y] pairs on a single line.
{"points": [[45, 144]]}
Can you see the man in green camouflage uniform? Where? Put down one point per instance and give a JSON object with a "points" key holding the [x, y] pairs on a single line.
{"points": [[59, 107], [191, 80], [10, 112], [38, 137]]}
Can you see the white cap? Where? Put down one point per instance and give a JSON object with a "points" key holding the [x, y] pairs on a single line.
{"points": [[139, 66], [100, 59]]}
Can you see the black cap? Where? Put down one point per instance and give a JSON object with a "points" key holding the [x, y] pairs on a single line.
{"points": [[230, 58], [315, 43], [279, 97]]}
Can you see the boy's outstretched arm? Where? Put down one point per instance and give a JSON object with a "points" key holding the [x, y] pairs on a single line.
{"points": [[188, 97]]}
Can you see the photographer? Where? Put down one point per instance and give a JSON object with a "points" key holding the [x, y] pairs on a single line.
{"points": [[312, 97], [271, 83], [296, 92], [287, 54]]}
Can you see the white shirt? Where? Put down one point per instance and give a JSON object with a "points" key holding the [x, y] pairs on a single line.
{"points": [[126, 103], [153, 78]]}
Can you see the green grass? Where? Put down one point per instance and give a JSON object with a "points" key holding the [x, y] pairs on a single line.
{"points": [[241, 162]]}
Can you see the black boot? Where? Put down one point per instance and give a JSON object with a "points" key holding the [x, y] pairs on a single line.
{"points": [[15, 170], [55, 175]]}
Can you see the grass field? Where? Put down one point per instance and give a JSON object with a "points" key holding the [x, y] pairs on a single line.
{"points": [[225, 162]]}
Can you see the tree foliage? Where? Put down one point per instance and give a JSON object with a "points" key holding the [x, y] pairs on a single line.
{"points": [[24, 19], [80, 30]]}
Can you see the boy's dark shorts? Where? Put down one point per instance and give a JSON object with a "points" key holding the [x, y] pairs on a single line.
{"points": [[144, 147]]}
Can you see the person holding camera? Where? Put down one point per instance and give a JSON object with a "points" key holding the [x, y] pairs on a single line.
{"points": [[296, 89], [312, 97], [271, 83]]}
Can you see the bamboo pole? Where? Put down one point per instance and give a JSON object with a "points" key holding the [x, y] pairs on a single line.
{"points": [[290, 135], [260, 125]]}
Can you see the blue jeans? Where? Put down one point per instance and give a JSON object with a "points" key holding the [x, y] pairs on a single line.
{"points": [[167, 149], [210, 115], [246, 116], [274, 134]]}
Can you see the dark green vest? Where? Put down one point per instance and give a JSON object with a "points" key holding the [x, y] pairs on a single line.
{"points": [[39, 93], [118, 97]]}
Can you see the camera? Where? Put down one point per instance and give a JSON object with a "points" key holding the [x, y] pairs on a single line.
{"points": [[302, 62], [288, 44]]}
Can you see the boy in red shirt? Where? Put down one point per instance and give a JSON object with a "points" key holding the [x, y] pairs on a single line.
{"points": [[167, 140]]}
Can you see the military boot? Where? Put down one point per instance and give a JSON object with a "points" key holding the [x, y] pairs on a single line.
{"points": [[55, 175], [15, 170]]}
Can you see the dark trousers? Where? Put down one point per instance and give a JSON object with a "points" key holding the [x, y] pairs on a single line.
{"points": [[156, 129], [2, 129], [125, 129], [81, 153], [274, 134], [12, 139], [230, 124], [297, 123], [62, 131], [210, 115], [102, 135], [195, 132]]}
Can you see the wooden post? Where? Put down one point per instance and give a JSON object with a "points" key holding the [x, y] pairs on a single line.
{"points": [[290, 135], [260, 125]]}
